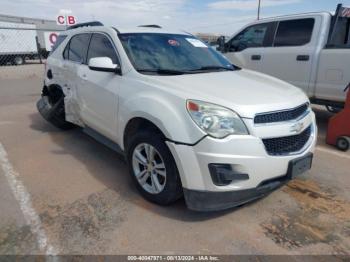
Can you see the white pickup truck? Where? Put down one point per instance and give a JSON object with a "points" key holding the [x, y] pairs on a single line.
{"points": [[311, 51]]}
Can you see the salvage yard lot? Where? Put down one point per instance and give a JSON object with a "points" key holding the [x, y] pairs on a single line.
{"points": [[85, 203]]}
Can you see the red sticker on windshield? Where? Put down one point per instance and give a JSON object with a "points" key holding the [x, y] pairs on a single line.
{"points": [[173, 42]]}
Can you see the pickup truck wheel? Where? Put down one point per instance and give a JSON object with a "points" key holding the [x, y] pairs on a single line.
{"points": [[334, 110], [153, 169], [343, 143]]}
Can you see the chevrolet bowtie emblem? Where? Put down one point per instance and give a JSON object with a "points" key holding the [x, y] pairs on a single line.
{"points": [[296, 128]]}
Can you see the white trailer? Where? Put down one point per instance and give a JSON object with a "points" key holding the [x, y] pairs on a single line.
{"points": [[18, 44]]}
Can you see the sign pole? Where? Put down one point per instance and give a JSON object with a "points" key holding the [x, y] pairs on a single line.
{"points": [[259, 5], [39, 49]]}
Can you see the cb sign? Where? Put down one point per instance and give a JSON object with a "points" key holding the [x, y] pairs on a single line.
{"points": [[66, 19]]}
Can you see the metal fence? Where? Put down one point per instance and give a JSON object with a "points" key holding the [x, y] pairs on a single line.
{"points": [[22, 44]]}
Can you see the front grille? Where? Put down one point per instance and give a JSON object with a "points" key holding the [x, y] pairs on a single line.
{"points": [[281, 116], [288, 144]]}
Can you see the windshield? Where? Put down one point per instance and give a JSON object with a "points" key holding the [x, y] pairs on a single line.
{"points": [[172, 54]]}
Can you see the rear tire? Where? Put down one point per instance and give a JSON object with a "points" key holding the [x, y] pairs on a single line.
{"points": [[51, 107], [343, 143], [154, 172]]}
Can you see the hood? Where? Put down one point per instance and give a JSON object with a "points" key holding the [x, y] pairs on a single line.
{"points": [[244, 91]]}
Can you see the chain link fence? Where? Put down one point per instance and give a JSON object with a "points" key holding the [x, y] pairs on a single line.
{"points": [[22, 44]]}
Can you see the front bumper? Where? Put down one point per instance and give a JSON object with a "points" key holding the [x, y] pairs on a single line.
{"points": [[213, 201], [246, 155]]}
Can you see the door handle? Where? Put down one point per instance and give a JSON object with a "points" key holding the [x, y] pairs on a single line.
{"points": [[303, 58], [256, 57]]}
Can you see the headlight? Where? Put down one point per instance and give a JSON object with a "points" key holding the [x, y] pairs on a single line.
{"points": [[216, 121]]}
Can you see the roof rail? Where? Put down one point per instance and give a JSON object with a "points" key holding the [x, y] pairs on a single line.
{"points": [[93, 23], [153, 26]]}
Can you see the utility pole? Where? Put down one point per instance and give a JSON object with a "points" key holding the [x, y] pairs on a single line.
{"points": [[259, 9]]}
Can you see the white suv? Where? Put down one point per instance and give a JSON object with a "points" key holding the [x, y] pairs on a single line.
{"points": [[188, 122]]}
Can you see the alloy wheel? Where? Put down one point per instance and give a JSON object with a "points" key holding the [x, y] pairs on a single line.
{"points": [[149, 168]]}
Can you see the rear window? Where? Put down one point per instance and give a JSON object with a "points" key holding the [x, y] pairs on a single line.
{"points": [[59, 41], [294, 32]]}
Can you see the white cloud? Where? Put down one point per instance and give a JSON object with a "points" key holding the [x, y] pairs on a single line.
{"points": [[248, 4], [171, 14], [126, 13]]}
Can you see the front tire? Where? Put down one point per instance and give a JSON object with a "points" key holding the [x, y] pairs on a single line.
{"points": [[153, 168]]}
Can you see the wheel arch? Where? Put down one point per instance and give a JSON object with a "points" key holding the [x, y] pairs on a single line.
{"points": [[136, 124], [53, 91], [139, 124], [167, 113]]}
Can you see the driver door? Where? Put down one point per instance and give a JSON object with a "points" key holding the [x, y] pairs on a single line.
{"points": [[247, 49]]}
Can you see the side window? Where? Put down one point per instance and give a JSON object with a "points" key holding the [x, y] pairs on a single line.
{"points": [[77, 48], [101, 46], [253, 36], [341, 35], [294, 32]]}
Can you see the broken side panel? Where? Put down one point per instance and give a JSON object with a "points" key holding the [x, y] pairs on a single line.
{"points": [[71, 106]]}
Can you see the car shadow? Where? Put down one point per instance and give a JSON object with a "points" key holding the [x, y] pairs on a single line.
{"points": [[115, 176]]}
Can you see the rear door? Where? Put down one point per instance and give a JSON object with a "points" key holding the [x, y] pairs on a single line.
{"points": [[74, 58], [54, 63], [98, 91], [293, 51], [334, 66], [247, 48]]}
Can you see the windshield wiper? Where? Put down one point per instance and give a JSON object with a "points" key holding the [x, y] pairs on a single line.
{"points": [[163, 71], [205, 68], [179, 72]]}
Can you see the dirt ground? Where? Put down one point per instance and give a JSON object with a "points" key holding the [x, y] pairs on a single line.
{"points": [[74, 196]]}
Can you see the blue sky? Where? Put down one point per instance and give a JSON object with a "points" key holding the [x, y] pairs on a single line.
{"points": [[212, 16]]}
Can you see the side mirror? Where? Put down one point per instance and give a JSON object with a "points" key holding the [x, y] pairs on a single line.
{"points": [[104, 64], [221, 44]]}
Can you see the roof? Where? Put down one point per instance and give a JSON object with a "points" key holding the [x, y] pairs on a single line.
{"points": [[292, 16], [125, 30]]}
